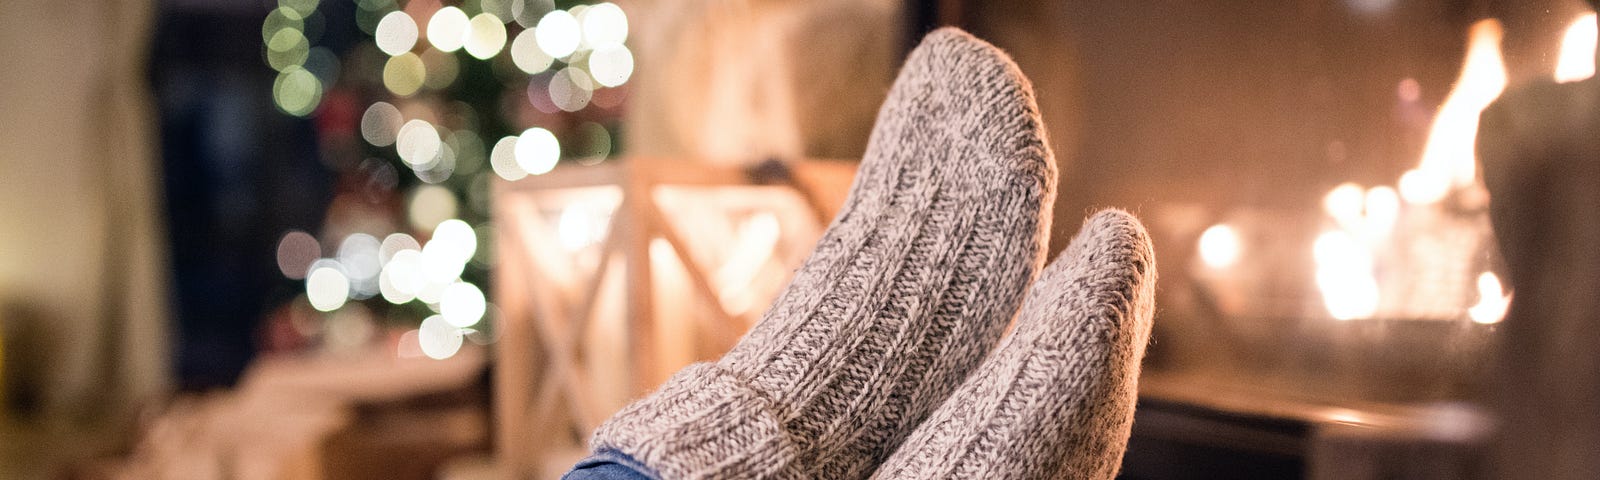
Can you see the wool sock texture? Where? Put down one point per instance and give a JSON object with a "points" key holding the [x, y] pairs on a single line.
{"points": [[1056, 399], [908, 289]]}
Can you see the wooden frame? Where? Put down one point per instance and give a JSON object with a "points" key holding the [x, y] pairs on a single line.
{"points": [[543, 397]]}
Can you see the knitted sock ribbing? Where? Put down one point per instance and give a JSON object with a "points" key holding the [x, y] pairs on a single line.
{"points": [[905, 293], [1056, 399]]}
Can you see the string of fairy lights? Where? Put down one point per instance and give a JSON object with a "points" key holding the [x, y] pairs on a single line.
{"points": [[432, 83]]}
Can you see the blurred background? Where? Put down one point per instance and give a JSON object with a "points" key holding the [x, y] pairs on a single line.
{"points": [[447, 238]]}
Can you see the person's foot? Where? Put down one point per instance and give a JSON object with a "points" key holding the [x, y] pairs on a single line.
{"points": [[909, 288], [1056, 399]]}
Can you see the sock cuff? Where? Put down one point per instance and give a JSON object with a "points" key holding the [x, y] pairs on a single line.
{"points": [[703, 422]]}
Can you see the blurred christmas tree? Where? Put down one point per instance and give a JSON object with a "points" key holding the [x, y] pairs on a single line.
{"points": [[417, 106]]}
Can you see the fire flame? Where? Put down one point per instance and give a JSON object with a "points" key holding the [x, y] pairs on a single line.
{"points": [[1345, 256], [1344, 275], [1492, 300], [1448, 159], [1576, 62]]}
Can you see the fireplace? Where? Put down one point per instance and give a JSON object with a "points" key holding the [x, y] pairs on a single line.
{"points": [[1307, 169]]}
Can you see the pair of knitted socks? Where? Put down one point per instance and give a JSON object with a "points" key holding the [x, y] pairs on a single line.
{"points": [[880, 357]]}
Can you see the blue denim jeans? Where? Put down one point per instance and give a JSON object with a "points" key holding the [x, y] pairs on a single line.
{"points": [[609, 465]]}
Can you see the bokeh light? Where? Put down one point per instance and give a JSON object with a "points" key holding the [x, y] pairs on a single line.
{"points": [[439, 168], [439, 135], [486, 35], [558, 34], [1220, 246], [503, 159], [281, 19], [404, 74], [297, 92], [327, 288], [394, 244], [537, 151], [389, 289], [527, 55], [445, 256], [303, 7], [611, 65], [594, 143], [381, 123], [296, 251], [358, 253], [538, 93], [287, 48], [571, 89], [462, 304], [401, 277], [418, 143], [456, 238], [604, 25], [429, 205], [436, 276], [396, 33], [448, 29], [439, 339]]}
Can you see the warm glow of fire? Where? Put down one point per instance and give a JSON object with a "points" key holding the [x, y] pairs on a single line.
{"points": [[1346, 256], [1448, 160], [1220, 246], [1344, 275], [1492, 300], [1344, 204], [1576, 62], [1382, 211]]}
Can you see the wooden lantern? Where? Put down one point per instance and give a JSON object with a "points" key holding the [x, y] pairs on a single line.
{"points": [[610, 278]]}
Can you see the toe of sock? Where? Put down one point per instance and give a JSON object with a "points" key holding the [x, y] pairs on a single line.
{"points": [[1103, 282], [959, 87]]}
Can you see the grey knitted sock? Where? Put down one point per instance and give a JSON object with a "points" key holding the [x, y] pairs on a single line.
{"points": [[905, 293], [1056, 399]]}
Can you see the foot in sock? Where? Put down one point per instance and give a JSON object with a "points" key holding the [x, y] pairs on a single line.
{"points": [[909, 288], [1056, 398]]}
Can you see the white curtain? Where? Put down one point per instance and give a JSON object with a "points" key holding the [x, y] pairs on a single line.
{"points": [[82, 269]]}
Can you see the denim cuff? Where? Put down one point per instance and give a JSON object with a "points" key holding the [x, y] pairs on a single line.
{"points": [[610, 464]]}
